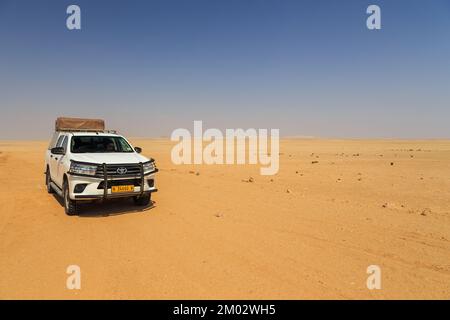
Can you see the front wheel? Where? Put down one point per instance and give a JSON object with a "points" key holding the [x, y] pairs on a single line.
{"points": [[143, 200], [70, 206]]}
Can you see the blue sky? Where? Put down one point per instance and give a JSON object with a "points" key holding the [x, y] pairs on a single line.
{"points": [[305, 67]]}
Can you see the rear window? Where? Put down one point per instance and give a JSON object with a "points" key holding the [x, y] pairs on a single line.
{"points": [[53, 140], [99, 144]]}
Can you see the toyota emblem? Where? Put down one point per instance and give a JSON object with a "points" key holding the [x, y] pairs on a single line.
{"points": [[121, 170]]}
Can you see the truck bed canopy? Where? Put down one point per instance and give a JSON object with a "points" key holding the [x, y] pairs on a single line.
{"points": [[79, 124]]}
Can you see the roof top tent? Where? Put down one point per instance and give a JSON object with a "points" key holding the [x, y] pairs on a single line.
{"points": [[79, 124]]}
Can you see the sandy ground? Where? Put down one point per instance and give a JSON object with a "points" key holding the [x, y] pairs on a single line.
{"points": [[214, 236]]}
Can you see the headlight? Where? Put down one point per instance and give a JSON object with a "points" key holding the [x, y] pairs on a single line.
{"points": [[149, 166], [86, 169]]}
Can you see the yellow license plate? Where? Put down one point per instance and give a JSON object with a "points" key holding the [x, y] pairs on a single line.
{"points": [[115, 189]]}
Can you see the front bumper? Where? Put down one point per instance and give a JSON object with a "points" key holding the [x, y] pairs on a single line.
{"points": [[100, 188]]}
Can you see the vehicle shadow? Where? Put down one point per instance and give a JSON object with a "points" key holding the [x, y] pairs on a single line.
{"points": [[110, 207]]}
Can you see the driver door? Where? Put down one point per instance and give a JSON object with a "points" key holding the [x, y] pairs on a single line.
{"points": [[53, 162], [60, 160]]}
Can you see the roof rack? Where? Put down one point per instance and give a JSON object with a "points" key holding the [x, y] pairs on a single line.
{"points": [[87, 131]]}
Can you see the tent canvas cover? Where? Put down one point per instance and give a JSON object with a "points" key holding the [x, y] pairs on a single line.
{"points": [[79, 124]]}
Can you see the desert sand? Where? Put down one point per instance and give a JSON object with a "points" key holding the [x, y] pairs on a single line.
{"points": [[309, 232]]}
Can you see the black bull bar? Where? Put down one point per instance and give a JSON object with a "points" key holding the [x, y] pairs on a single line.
{"points": [[141, 174]]}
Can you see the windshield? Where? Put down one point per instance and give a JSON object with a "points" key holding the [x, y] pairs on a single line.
{"points": [[99, 144]]}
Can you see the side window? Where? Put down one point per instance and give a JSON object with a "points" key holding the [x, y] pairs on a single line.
{"points": [[53, 141], [60, 141], [64, 144]]}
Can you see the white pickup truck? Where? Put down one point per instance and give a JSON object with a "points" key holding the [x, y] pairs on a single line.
{"points": [[85, 164]]}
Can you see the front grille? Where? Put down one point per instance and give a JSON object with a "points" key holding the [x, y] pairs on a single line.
{"points": [[125, 182], [120, 170]]}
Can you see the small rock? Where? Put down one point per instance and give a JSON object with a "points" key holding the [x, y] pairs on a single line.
{"points": [[197, 173], [313, 162], [392, 163], [384, 205], [288, 191], [218, 215], [425, 212]]}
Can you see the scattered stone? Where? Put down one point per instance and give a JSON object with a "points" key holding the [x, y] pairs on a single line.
{"points": [[288, 191], [197, 173], [271, 180], [384, 205], [425, 212], [218, 215], [313, 162], [248, 180], [191, 172], [392, 163]]}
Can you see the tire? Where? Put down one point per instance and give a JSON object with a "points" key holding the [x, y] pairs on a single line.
{"points": [[48, 181], [145, 200], [70, 206]]}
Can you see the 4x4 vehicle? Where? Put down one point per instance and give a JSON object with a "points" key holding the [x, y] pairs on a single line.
{"points": [[84, 163]]}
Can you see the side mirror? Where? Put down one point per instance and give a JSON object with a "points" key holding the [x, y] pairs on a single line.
{"points": [[137, 149], [57, 150]]}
